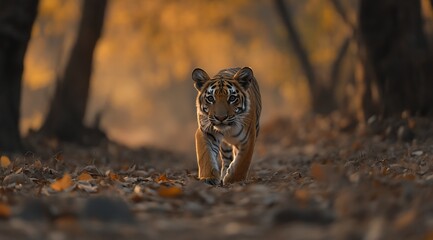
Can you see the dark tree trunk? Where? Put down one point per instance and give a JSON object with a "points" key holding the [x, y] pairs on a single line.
{"points": [[397, 50], [322, 97], [68, 107], [16, 21]]}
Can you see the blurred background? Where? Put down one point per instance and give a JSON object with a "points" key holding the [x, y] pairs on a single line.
{"points": [[141, 91]]}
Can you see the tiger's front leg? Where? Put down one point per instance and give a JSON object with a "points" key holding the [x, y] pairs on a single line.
{"points": [[207, 146], [238, 169]]}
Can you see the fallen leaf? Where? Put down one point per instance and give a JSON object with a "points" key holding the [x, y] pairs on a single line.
{"points": [[408, 177], [5, 210], [37, 164], [318, 172], [58, 157], [112, 176], [84, 176], [92, 170], [137, 189], [16, 178], [302, 195], [137, 195], [62, 183], [405, 219], [87, 187], [162, 178], [169, 192], [127, 169], [411, 123], [4, 161], [417, 153], [66, 222]]}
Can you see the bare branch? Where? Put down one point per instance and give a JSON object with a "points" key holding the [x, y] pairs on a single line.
{"points": [[342, 12], [299, 49]]}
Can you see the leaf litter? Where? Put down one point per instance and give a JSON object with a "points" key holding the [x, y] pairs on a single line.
{"points": [[309, 181]]}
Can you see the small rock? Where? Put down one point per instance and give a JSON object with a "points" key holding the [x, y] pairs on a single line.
{"points": [[417, 153], [17, 178]]}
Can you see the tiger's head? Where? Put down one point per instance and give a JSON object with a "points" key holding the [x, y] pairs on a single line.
{"points": [[222, 101]]}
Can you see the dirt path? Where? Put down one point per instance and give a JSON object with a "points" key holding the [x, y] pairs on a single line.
{"points": [[310, 182]]}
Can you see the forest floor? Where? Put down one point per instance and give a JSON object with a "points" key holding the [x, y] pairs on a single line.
{"points": [[322, 179]]}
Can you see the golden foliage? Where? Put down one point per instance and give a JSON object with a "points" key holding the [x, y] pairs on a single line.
{"points": [[149, 48], [169, 192], [5, 210], [84, 176], [5, 161], [113, 176], [63, 183], [318, 172], [161, 178]]}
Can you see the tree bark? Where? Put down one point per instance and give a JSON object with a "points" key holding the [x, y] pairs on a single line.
{"points": [[68, 107], [397, 50], [16, 21]]}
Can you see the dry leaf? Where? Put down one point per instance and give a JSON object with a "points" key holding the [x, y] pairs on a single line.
{"points": [[86, 186], [58, 157], [302, 195], [318, 172], [112, 176], [137, 195], [62, 183], [37, 164], [66, 222], [170, 192], [92, 170], [417, 153], [405, 219], [162, 178], [5, 210], [4, 161], [16, 178], [408, 177], [84, 176]]}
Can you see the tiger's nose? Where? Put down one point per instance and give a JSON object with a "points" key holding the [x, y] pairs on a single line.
{"points": [[221, 118]]}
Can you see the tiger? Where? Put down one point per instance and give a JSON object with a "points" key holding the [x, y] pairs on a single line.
{"points": [[228, 115]]}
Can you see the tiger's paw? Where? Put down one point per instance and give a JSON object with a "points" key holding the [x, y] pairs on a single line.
{"points": [[211, 181], [229, 179]]}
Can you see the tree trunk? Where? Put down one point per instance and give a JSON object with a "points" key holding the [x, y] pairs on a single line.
{"points": [[322, 97], [68, 107], [16, 21], [397, 50]]}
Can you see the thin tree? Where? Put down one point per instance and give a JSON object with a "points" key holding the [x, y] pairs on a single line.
{"points": [[397, 49], [66, 114], [323, 100], [16, 21]]}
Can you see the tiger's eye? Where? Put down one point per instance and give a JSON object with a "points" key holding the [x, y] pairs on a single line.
{"points": [[232, 98], [210, 99]]}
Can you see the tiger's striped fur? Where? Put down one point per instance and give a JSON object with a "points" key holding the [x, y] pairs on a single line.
{"points": [[228, 112]]}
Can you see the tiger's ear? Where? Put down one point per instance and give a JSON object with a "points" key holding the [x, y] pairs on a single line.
{"points": [[200, 77], [244, 77]]}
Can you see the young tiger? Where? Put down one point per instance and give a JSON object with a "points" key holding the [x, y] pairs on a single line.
{"points": [[228, 112]]}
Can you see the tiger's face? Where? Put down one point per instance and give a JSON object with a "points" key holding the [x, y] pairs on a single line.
{"points": [[221, 100]]}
